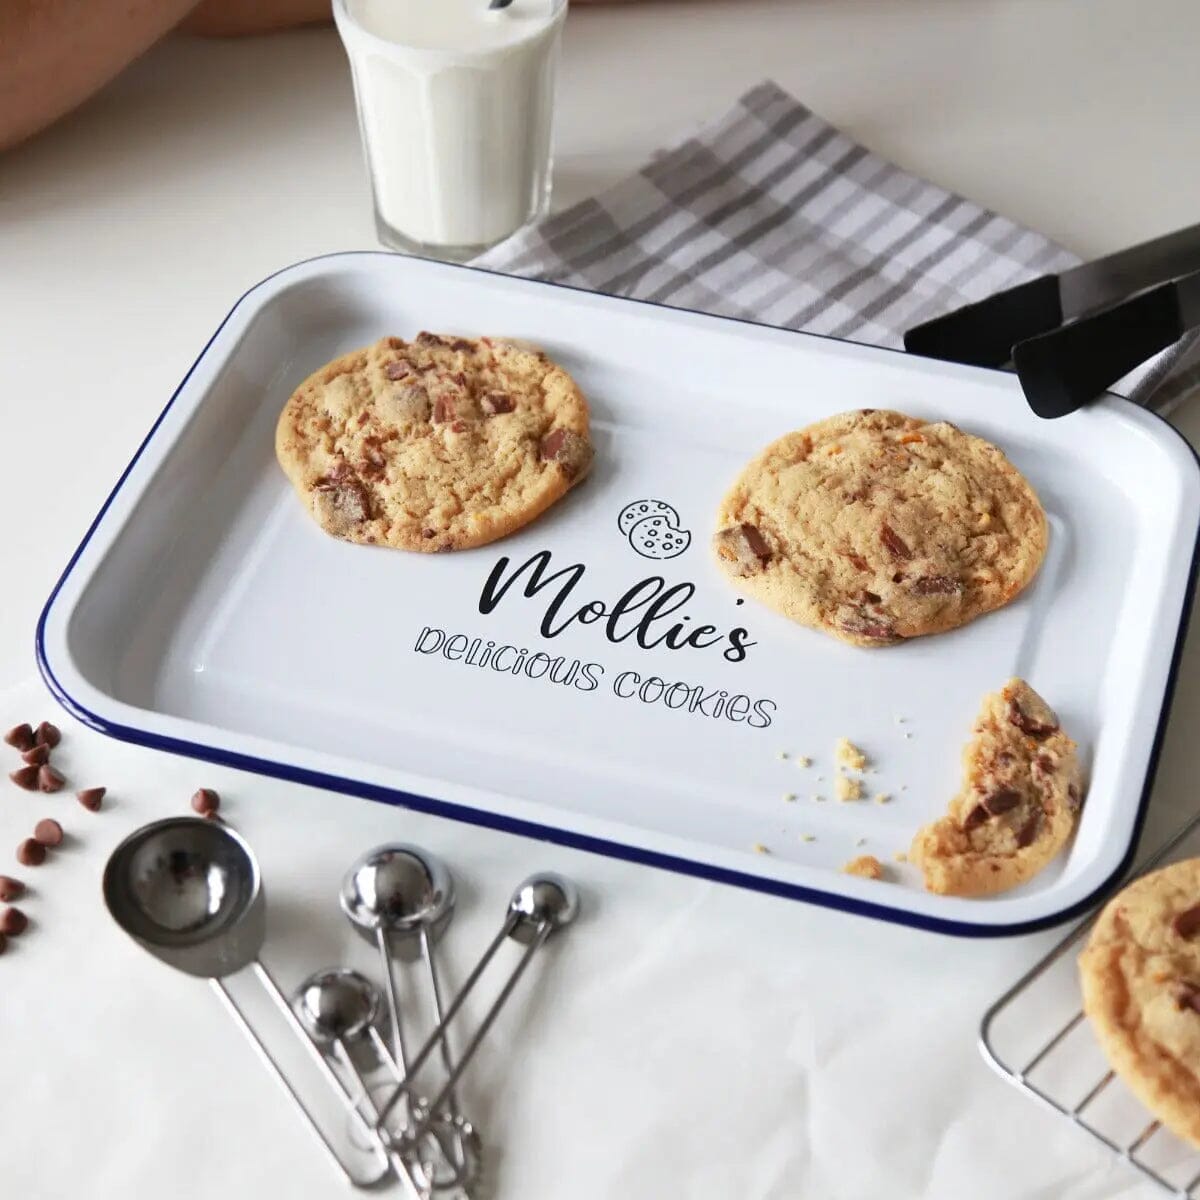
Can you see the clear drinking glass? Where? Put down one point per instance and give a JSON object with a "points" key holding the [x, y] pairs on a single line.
{"points": [[455, 104]]}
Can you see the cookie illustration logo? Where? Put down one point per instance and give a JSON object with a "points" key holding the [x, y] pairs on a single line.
{"points": [[653, 530]]}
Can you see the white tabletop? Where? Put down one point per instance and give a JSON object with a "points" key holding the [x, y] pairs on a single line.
{"points": [[685, 1039]]}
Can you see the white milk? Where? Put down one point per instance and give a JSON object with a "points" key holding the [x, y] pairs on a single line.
{"points": [[455, 104]]}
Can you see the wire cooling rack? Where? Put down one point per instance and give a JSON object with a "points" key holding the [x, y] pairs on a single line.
{"points": [[1037, 1038]]}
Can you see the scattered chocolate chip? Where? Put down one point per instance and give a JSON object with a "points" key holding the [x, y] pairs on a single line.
{"points": [[428, 533], [48, 779], [25, 777], [744, 547], [443, 410], [458, 427], [461, 344], [1187, 923], [872, 598], [47, 735], [893, 542], [1029, 830], [91, 798], [205, 801], [36, 755], [13, 922], [1002, 801], [1187, 995], [570, 450], [31, 853], [1073, 797], [495, 403], [20, 737], [424, 338], [1031, 725], [856, 560], [397, 370], [3, 943], [10, 888], [865, 412], [48, 832], [936, 585]]}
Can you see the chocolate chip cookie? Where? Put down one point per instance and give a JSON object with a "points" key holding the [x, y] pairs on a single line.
{"points": [[876, 527], [1019, 801], [1140, 974], [441, 443]]}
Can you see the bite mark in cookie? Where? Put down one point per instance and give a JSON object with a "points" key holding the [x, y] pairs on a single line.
{"points": [[1018, 803]]}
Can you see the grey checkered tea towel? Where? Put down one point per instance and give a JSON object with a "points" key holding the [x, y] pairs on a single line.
{"points": [[770, 214]]}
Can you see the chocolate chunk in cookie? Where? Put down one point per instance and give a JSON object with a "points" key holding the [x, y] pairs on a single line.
{"points": [[742, 548], [569, 450]]}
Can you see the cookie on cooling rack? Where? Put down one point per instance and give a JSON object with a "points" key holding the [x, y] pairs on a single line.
{"points": [[441, 443], [1140, 973], [1018, 805], [876, 527]]}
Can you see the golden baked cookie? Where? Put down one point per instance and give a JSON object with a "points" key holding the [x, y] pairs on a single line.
{"points": [[1018, 804], [435, 444], [1140, 974], [876, 527]]}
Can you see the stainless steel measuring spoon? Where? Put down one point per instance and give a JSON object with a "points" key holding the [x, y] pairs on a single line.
{"points": [[189, 891], [401, 891], [540, 905]]}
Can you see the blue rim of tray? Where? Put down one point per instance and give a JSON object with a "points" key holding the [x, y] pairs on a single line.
{"points": [[578, 841]]}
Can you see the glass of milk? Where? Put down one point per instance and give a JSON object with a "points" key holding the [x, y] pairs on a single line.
{"points": [[454, 103]]}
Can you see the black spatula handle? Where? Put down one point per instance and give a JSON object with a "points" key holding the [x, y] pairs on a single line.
{"points": [[983, 334], [1066, 369]]}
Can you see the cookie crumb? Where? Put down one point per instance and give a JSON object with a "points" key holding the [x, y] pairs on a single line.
{"points": [[818, 798], [784, 754], [904, 787], [759, 848], [907, 734], [802, 760], [882, 798], [789, 796], [861, 842], [848, 789], [866, 866], [900, 856], [808, 837], [900, 720], [849, 755]]}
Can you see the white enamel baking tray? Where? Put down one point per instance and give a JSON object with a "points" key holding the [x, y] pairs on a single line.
{"points": [[205, 613]]}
